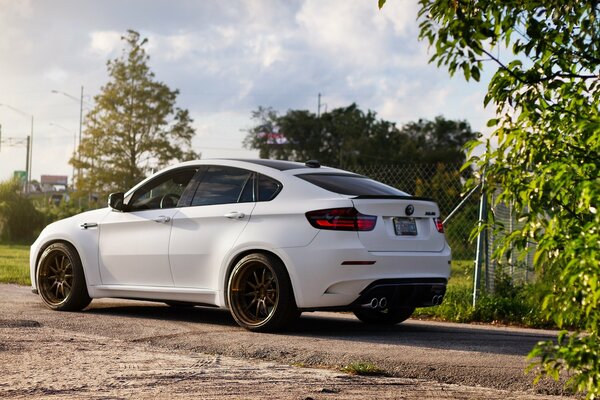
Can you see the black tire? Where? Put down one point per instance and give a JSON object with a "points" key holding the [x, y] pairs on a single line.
{"points": [[260, 294], [387, 316], [60, 279]]}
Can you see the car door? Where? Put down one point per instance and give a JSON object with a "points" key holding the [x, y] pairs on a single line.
{"points": [[134, 244], [203, 233]]}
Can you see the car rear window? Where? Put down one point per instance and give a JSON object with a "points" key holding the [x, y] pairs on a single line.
{"points": [[351, 184]]}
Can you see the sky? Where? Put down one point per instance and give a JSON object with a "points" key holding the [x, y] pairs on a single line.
{"points": [[225, 58]]}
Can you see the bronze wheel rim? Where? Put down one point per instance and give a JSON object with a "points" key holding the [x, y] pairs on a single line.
{"points": [[254, 293], [55, 278]]}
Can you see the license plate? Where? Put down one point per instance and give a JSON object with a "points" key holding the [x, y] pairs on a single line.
{"points": [[405, 226]]}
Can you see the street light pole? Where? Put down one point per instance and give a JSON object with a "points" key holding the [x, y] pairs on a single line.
{"points": [[74, 148], [80, 100], [30, 154]]}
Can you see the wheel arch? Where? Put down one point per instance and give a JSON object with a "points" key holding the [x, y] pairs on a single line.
{"points": [[48, 244], [235, 259]]}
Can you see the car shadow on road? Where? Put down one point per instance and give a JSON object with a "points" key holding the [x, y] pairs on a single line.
{"points": [[332, 326], [163, 312], [428, 334]]}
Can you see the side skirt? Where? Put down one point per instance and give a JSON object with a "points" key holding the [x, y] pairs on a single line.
{"points": [[188, 295]]}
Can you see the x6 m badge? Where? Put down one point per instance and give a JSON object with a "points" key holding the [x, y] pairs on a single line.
{"points": [[410, 209]]}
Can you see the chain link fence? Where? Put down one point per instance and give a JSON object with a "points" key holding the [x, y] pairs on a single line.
{"points": [[518, 263], [444, 183]]}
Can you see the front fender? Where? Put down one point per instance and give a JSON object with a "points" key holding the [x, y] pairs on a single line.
{"points": [[84, 240]]}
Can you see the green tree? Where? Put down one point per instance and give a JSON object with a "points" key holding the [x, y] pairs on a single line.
{"points": [[19, 220], [545, 56], [135, 126], [348, 136], [440, 140]]}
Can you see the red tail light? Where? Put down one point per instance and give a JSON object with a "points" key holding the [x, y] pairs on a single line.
{"points": [[341, 219], [439, 225]]}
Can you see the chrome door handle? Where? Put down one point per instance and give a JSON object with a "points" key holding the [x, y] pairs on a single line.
{"points": [[162, 219], [235, 215], [87, 225]]}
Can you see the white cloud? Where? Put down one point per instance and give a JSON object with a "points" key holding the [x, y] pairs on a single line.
{"points": [[180, 45], [105, 43], [267, 49], [56, 75], [12, 9], [226, 59]]}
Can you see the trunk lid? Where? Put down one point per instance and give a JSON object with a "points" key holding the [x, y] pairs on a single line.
{"points": [[404, 223]]}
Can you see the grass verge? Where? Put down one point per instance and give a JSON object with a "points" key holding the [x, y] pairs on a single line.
{"points": [[14, 264], [510, 304]]}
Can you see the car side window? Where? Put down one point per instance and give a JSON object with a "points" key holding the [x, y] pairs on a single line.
{"points": [[268, 188], [222, 185], [162, 192]]}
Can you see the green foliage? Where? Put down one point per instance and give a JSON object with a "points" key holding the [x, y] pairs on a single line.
{"points": [[362, 368], [20, 222], [134, 127], [545, 88], [349, 136], [54, 212], [14, 264], [509, 304]]}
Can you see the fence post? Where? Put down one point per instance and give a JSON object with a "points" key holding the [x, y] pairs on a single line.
{"points": [[480, 240]]}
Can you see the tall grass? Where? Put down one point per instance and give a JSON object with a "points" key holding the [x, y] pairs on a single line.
{"points": [[511, 303]]}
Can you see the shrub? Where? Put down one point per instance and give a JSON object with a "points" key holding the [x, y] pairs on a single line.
{"points": [[19, 220]]}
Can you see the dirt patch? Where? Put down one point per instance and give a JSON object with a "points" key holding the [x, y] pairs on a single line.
{"points": [[19, 323], [52, 363]]}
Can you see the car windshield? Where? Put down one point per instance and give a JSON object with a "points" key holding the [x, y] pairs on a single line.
{"points": [[351, 184]]}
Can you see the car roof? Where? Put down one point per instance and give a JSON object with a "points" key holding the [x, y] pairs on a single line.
{"points": [[281, 165]]}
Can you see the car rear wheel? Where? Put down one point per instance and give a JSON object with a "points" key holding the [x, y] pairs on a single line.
{"points": [[386, 316], [60, 279], [260, 294]]}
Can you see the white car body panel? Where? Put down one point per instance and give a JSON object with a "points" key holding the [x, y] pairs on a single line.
{"points": [[85, 242], [189, 255], [134, 248], [200, 238]]}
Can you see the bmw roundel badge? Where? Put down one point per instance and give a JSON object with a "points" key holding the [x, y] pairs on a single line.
{"points": [[410, 209]]}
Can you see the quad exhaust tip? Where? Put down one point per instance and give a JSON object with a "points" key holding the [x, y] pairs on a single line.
{"points": [[381, 303], [376, 303]]}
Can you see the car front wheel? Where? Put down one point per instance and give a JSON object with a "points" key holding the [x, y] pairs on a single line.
{"points": [[60, 279], [260, 294]]}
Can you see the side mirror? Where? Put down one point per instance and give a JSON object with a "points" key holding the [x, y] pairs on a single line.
{"points": [[115, 201]]}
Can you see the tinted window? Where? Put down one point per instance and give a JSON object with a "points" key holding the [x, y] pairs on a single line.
{"points": [[351, 184], [221, 185], [162, 192], [268, 188]]}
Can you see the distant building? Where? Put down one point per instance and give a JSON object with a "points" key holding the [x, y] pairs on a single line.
{"points": [[54, 183]]}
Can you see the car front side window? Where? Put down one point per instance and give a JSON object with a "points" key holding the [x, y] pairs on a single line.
{"points": [[164, 191]]}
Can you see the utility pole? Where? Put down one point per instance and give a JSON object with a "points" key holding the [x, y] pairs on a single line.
{"points": [[14, 142], [29, 144], [319, 105]]}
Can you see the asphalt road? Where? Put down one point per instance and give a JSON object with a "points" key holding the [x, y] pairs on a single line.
{"points": [[441, 353]]}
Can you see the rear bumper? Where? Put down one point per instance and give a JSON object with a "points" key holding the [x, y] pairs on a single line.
{"points": [[403, 293], [322, 278]]}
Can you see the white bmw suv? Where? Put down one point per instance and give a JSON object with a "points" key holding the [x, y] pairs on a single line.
{"points": [[266, 239]]}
